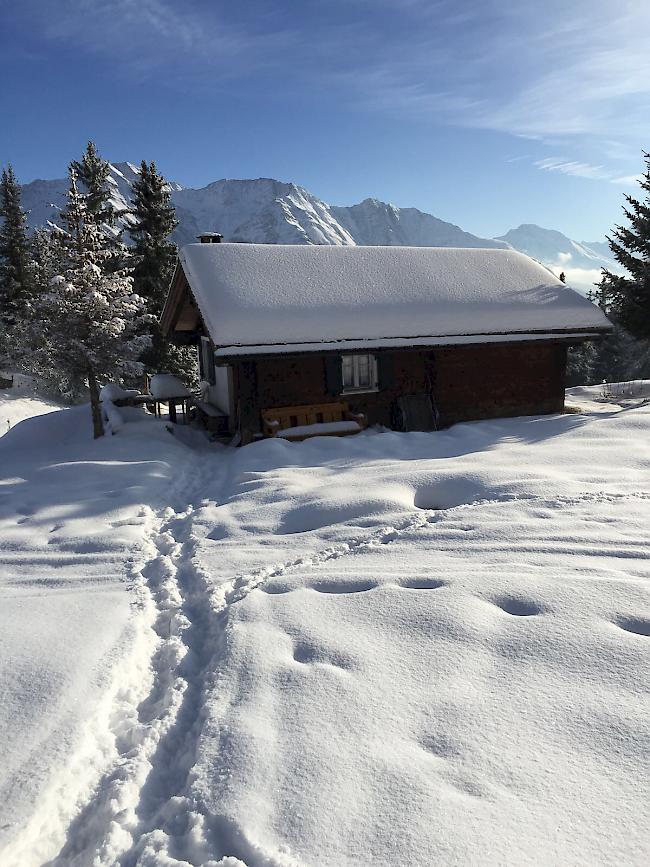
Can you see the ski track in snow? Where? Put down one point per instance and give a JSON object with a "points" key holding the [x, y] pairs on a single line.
{"points": [[164, 587], [141, 809]]}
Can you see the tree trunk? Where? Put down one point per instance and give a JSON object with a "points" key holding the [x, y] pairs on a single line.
{"points": [[95, 408]]}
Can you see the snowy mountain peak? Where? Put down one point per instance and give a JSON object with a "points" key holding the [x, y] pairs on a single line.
{"points": [[266, 210], [375, 222], [556, 250], [263, 210]]}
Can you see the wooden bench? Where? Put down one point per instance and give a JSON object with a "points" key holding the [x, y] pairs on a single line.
{"points": [[297, 423]]}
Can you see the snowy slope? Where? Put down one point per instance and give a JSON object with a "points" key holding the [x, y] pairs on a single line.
{"points": [[600, 248], [257, 211], [386, 649]]}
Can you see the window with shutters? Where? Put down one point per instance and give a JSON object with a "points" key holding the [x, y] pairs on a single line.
{"points": [[359, 373]]}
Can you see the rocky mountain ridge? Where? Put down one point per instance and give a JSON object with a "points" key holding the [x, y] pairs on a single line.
{"points": [[265, 210]]}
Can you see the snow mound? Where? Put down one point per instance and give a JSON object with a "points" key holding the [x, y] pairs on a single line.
{"points": [[164, 386], [113, 391]]}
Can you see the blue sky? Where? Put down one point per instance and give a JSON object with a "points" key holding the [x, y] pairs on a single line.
{"points": [[487, 114]]}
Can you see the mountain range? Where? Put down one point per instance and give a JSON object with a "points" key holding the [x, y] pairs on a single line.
{"points": [[265, 210]]}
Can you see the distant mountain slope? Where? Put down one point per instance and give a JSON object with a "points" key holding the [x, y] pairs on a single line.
{"points": [[265, 210], [373, 222], [602, 248], [258, 211], [43, 200], [582, 263], [549, 245]]}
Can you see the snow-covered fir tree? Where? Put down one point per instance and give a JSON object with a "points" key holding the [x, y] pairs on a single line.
{"points": [[88, 320], [15, 266], [154, 256], [630, 293], [93, 172], [625, 298]]}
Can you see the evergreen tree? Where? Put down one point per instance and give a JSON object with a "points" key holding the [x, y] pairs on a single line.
{"points": [[47, 250], [154, 221], [15, 271], [93, 172], [154, 255], [630, 293], [87, 319], [618, 357]]}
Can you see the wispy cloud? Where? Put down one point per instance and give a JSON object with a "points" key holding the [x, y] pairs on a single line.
{"points": [[572, 167], [574, 74], [141, 37], [548, 73], [584, 170], [626, 180]]}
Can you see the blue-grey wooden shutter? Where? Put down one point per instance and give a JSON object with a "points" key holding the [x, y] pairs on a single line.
{"points": [[386, 371], [333, 375]]}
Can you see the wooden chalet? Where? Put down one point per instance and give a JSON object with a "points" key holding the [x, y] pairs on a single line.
{"points": [[299, 340]]}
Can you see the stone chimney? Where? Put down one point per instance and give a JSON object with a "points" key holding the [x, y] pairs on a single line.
{"points": [[210, 238]]}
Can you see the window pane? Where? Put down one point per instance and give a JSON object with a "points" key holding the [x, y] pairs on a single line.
{"points": [[363, 371]]}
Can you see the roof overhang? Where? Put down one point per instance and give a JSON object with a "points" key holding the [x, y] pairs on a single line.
{"points": [[421, 342], [180, 319]]}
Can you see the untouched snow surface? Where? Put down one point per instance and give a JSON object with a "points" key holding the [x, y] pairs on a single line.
{"points": [[20, 402], [266, 294], [382, 649]]}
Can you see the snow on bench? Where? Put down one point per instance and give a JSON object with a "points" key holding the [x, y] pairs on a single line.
{"points": [[318, 419], [324, 428]]}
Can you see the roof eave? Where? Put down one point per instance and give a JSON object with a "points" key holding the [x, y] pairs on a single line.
{"points": [[419, 342]]}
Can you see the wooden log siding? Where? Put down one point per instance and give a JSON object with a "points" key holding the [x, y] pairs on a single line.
{"points": [[470, 382], [499, 381]]}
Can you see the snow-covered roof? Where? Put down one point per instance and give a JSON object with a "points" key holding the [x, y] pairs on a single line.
{"points": [[263, 297]]}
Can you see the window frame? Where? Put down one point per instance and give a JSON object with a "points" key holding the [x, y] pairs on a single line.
{"points": [[354, 358]]}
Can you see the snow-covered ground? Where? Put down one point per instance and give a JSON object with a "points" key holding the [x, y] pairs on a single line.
{"points": [[385, 649], [21, 401]]}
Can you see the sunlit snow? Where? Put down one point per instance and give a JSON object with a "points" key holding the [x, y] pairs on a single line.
{"points": [[383, 649]]}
